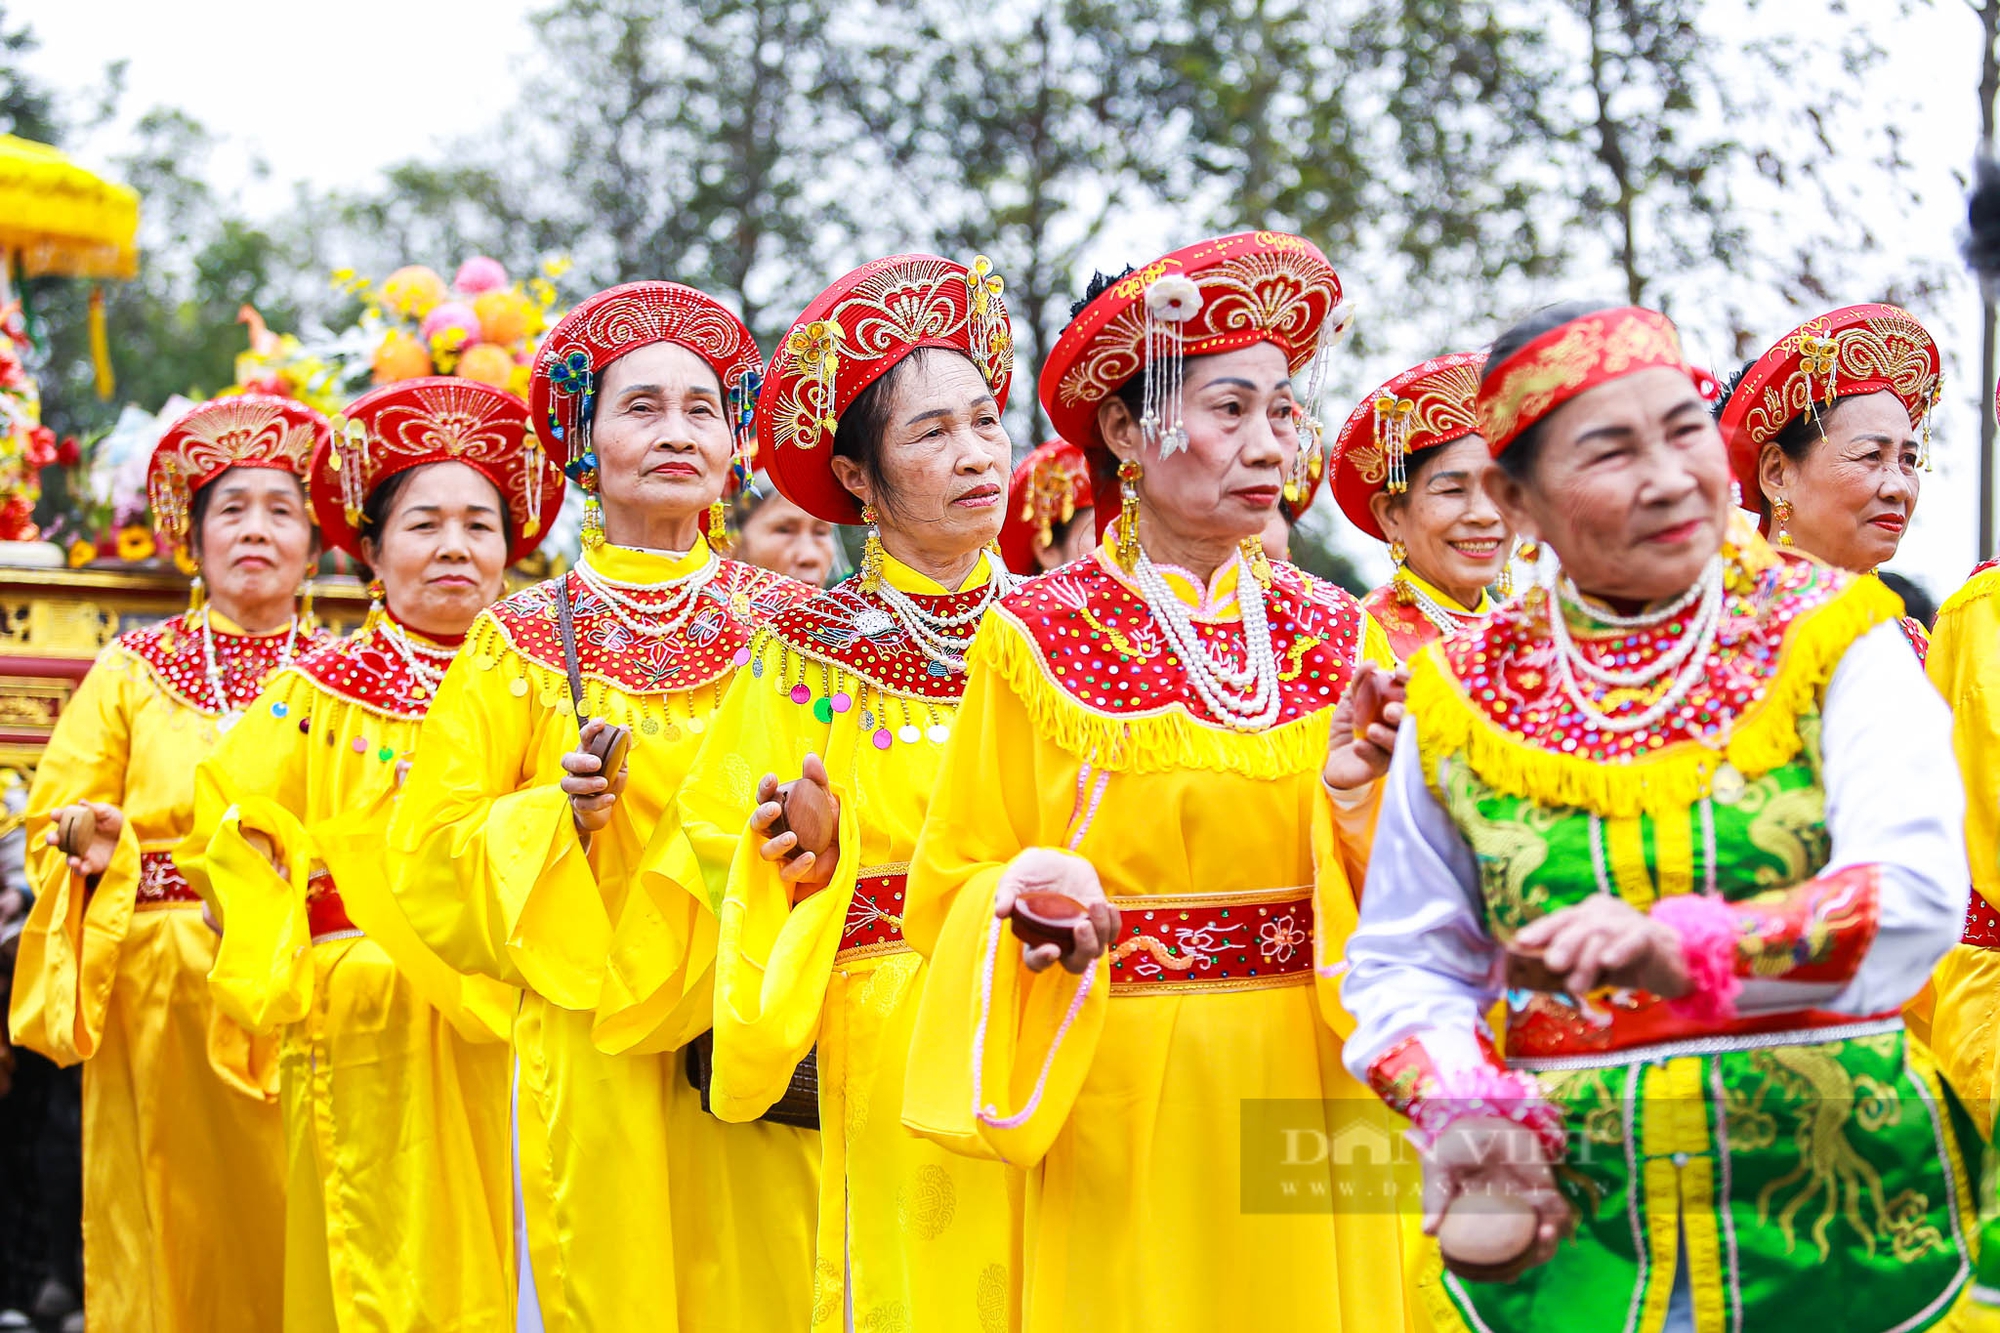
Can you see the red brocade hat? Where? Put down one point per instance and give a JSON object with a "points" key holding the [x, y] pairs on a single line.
{"points": [[1858, 349], [569, 368], [849, 337], [1261, 286], [440, 419], [1049, 486], [240, 430], [1426, 406], [1573, 358]]}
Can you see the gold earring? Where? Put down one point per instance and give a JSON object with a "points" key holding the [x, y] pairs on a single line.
{"points": [[1400, 555], [376, 592], [1260, 564], [871, 551], [1127, 546], [718, 528], [593, 523], [1505, 583], [1781, 517], [197, 595], [306, 621]]}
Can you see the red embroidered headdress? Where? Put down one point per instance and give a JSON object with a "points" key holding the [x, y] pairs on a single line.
{"points": [[623, 319], [1049, 486], [241, 430], [437, 419], [1859, 349], [1572, 358], [1424, 407], [848, 338]]}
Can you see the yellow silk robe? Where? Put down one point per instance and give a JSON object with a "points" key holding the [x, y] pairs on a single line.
{"points": [[183, 1154], [1958, 1017], [1127, 1093], [926, 1235], [395, 1070], [642, 1209]]}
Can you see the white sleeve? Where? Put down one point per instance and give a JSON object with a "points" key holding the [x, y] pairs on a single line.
{"points": [[1894, 800], [1420, 961]]}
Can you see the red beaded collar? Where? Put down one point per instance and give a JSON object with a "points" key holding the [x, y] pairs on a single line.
{"points": [[854, 631], [1408, 628], [171, 652], [365, 669], [1096, 641], [714, 641]]}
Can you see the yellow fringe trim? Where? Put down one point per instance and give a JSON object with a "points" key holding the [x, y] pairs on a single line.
{"points": [[1979, 585], [1669, 780], [1156, 742]]}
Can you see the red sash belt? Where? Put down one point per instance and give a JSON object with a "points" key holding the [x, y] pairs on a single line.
{"points": [[1547, 1026], [1213, 941], [161, 883], [1982, 923], [326, 915], [874, 922]]}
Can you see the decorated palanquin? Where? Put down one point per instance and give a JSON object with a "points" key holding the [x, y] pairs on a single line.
{"points": [[1778, 1139], [54, 623]]}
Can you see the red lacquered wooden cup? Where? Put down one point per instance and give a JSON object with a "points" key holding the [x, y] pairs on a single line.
{"points": [[1048, 918]]}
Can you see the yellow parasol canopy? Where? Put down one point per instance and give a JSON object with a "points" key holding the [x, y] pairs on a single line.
{"points": [[60, 219]]}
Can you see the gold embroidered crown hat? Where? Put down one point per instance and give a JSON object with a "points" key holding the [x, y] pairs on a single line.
{"points": [[1048, 487], [1426, 406], [438, 419], [1571, 359], [1219, 295], [569, 370], [1846, 353], [849, 337], [239, 430]]}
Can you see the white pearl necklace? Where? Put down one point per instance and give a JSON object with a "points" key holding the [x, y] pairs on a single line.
{"points": [[1244, 700], [944, 638], [1690, 656], [427, 675], [227, 715], [651, 619], [1432, 610]]}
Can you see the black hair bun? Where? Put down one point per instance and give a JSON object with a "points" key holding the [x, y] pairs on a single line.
{"points": [[1729, 388], [1100, 283], [1982, 220]]}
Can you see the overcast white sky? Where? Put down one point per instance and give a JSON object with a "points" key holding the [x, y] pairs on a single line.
{"points": [[333, 93]]}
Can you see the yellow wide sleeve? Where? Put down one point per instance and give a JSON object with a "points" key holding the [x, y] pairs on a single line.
{"points": [[773, 960], [998, 1053], [69, 946], [1966, 671], [256, 779], [490, 871]]}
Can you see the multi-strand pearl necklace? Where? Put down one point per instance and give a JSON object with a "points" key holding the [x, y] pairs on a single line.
{"points": [[1432, 609], [651, 619], [943, 638], [426, 662], [1245, 699], [227, 714], [1685, 661]]}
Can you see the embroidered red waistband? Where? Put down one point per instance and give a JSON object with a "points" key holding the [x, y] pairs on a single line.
{"points": [[1982, 923], [1213, 941], [326, 914], [161, 883], [874, 915]]}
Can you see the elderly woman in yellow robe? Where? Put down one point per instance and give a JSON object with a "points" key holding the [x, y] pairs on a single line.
{"points": [[516, 852], [183, 1189], [857, 689], [395, 1069], [1163, 732]]}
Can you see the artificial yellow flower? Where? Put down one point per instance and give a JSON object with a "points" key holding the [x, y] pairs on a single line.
{"points": [[185, 562], [135, 543], [81, 553]]}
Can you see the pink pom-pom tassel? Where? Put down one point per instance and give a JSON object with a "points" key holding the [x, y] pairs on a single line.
{"points": [[1708, 950]]}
